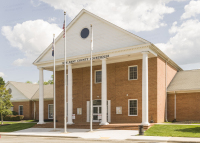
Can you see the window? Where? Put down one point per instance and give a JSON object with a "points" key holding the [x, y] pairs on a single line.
{"points": [[50, 111], [132, 73], [11, 108], [20, 109], [98, 76], [132, 107]]}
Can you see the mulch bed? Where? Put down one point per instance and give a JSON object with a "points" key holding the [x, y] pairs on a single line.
{"points": [[4, 124]]}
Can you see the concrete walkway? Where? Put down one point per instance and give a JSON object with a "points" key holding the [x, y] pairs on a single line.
{"points": [[97, 134]]}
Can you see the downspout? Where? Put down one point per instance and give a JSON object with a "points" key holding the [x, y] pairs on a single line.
{"points": [[34, 110], [174, 106], [166, 91]]}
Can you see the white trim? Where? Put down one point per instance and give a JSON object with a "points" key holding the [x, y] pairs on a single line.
{"points": [[19, 109], [48, 111], [95, 77], [129, 107], [129, 72]]}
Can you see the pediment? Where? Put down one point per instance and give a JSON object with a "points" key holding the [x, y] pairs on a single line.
{"points": [[106, 37]]}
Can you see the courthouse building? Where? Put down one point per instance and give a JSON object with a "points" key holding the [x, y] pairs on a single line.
{"points": [[130, 75]]}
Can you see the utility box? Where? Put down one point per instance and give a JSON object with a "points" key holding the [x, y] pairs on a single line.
{"points": [[141, 130]]}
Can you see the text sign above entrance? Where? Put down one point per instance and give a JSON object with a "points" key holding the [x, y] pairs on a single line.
{"points": [[86, 59]]}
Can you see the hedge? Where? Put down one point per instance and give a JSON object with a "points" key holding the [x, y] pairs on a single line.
{"points": [[13, 118]]}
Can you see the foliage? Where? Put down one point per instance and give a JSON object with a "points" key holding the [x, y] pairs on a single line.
{"points": [[14, 113], [5, 103], [28, 82], [16, 127], [13, 118], [174, 130], [51, 81], [45, 83], [2, 82]]}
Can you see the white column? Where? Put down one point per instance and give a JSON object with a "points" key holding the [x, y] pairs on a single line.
{"points": [[41, 97], [145, 121], [70, 94], [104, 94]]}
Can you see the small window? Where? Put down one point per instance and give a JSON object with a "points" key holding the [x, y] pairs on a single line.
{"points": [[98, 76], [133, 73], [11, 108], [50, 111], [21, 110], [132, 106]]}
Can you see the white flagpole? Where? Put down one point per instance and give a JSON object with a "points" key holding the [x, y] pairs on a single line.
{"points": [[54, 82], [91, 103], [65, 125]]}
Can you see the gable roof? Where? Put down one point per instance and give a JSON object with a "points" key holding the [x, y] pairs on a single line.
{"points": [[97, 17], [48, 92], [185, 81], [27, 89]]}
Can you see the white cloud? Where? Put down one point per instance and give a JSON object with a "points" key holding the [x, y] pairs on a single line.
{"points": [[35, 3], [192, 9], [184, 46], [137, 15], [52, 19], [2, 74], [30, 37]]}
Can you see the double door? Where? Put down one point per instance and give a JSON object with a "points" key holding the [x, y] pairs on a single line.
{"points": [[96, 113]]}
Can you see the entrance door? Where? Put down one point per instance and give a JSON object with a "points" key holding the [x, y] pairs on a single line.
{"points": [[96, 113]]}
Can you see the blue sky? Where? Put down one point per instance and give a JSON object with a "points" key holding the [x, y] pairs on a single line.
{"points": [[27, 27]]}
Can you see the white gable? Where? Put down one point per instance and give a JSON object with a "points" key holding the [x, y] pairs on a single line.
{"points": [[16, 94], [106, 37]]}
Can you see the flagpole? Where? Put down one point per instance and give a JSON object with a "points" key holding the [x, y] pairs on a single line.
{"points": [[91, 103], [65, 126], [54, 82]]}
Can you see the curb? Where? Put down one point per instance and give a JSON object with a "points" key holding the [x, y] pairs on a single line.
{"points": [[38, 135]]}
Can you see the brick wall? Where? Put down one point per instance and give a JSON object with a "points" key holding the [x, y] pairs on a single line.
{"points": [[161, 86], [187, 106], [27, 110], [46, 102]]}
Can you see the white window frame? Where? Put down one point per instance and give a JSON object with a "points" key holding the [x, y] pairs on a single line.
{"points": [[95, 76], [19, 109], [48, 111], [129, 107], [129, 72], [12, 108]]}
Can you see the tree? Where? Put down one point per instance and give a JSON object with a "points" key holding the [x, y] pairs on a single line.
{"points": [[5, 103], [28, 81], [51, 81], [2, 82]]}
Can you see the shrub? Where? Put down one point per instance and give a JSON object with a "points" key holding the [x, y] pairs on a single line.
{"points": [[15, 113], [13, 118]]}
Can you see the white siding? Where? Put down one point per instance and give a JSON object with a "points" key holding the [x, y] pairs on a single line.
{"points": [[106, 37], [16, 94]]}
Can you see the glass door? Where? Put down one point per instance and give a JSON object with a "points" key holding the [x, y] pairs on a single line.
{"points": [[96, 113]]}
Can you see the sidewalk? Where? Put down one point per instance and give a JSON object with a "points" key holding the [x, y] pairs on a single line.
{"points": [[97, 134]]}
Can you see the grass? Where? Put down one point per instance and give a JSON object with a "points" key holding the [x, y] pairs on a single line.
{"points": [[174, 131], [17, 125]]}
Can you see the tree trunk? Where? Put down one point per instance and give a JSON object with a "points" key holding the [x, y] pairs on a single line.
{"points": [[1, 119]]}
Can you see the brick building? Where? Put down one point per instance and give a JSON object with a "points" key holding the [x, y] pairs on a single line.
{"points": [[25, 99], [130, 75]]}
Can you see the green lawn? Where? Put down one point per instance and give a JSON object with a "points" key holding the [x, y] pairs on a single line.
{"points": [[174, 131], [15, 126]]}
